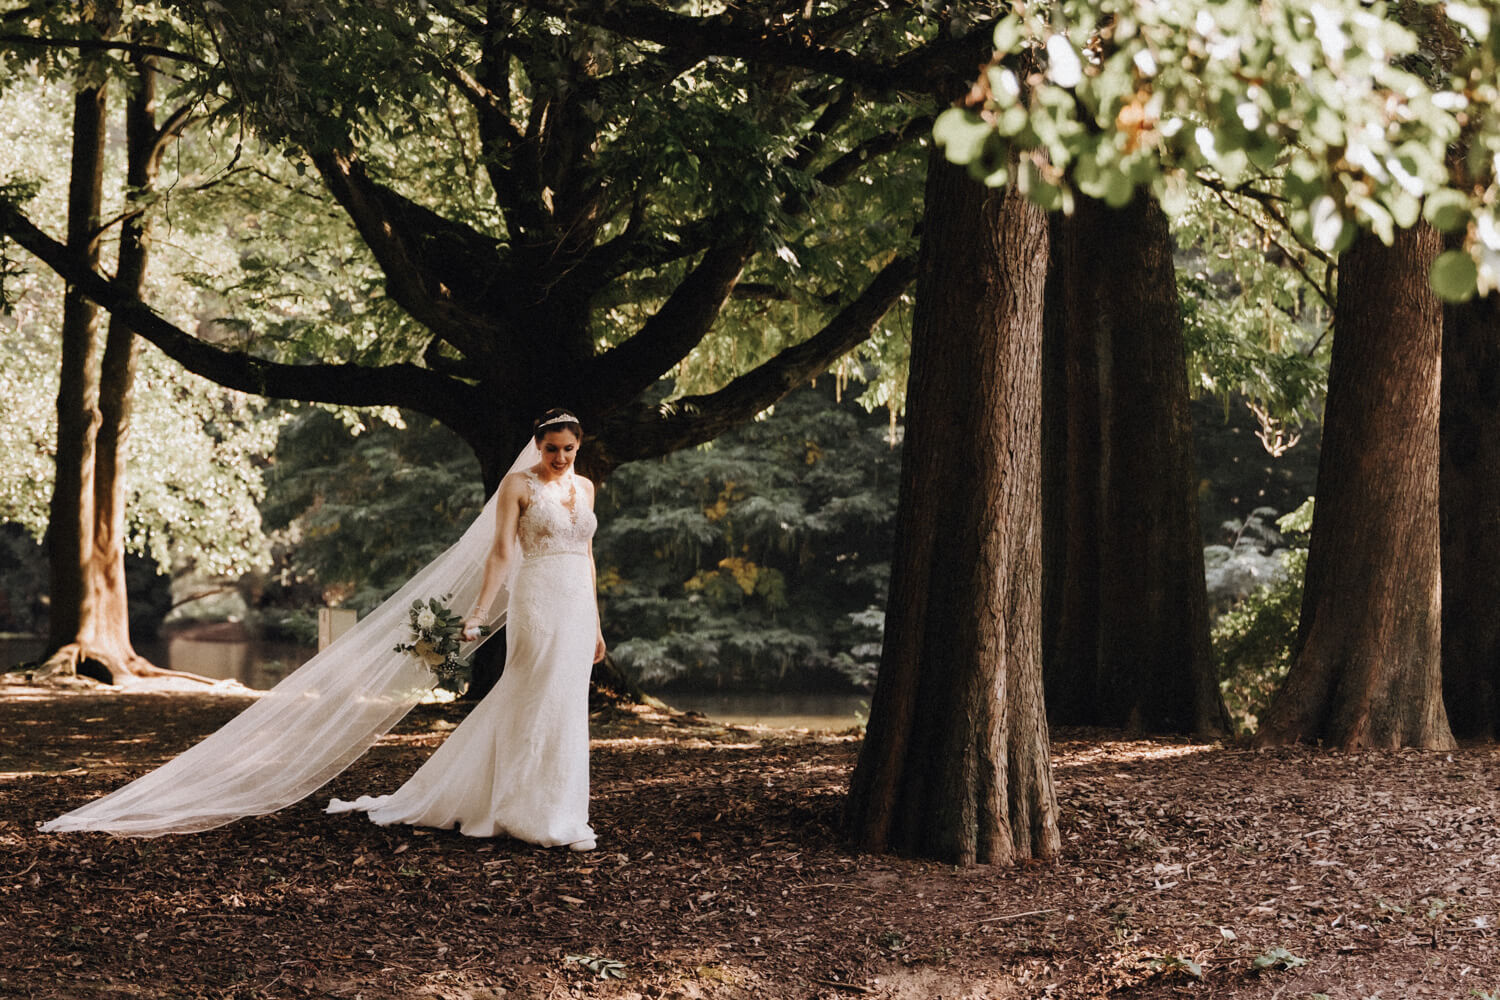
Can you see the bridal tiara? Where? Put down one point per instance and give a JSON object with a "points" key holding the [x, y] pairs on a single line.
{"points": [[562, 418]]}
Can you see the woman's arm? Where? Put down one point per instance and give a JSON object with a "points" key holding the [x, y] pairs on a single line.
{"points": [[600, 649], [501, 555]]}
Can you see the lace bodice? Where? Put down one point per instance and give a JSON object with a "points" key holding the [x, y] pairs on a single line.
{"points": [[548, 526]]}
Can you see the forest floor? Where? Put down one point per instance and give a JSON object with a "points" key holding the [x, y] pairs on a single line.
{"points": [[1188, 870]]}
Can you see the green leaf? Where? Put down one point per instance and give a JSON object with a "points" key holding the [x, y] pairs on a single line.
{"points": [[1277, 957], [1454, 276], [1405, 209], [1118, 190], [1011, 121], [1381, 223], [998, 177], [1008, 34], [1447, 210], [962, 134]]}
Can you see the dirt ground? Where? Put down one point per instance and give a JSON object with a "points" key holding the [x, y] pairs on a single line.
{"points": [[1189, 871]]}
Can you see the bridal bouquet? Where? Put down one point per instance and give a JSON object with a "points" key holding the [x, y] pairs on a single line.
{"points": [[436, 633]]}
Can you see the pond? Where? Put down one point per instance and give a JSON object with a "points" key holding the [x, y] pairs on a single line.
{"points": [[261, 665], [830, 711]]}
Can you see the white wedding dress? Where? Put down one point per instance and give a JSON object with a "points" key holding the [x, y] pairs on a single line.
{"points": [[519, 764]]}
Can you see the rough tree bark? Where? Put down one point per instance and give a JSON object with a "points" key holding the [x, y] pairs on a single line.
{"points": [[1125, 612], [1366, 672], [95, 639], [71, 519], [1470, 517], [955, 763]]}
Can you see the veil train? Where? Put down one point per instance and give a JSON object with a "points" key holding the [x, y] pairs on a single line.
{"points": [[320, 719]]}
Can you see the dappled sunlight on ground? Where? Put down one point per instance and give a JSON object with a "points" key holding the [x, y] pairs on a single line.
{"points": [[722, 874], [1070, 751]]}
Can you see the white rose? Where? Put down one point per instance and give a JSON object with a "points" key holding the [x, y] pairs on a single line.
{"points": [[426, 619]]}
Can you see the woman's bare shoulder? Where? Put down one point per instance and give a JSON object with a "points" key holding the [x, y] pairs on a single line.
{"points": [[514, 485]]}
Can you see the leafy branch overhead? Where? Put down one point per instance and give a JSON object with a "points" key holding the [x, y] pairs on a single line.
{"points": [[1344, 114], [561, 200]]}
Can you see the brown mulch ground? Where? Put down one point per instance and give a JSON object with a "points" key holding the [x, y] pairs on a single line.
{"points": [[720, 874]]}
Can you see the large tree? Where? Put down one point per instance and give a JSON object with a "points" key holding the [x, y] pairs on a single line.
{"points": [[71, 515], [89, 616], [569, 201], [1125, 607], [1366, 671], [955, 763], [1470, 516], [1340, 124], [194, 450]]}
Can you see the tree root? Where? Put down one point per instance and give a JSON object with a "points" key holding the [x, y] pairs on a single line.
{"points": [[78, 659]]}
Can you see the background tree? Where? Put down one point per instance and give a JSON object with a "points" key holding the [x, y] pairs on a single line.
{"points": [[191, 499], [588, 190], [358, 509], [100, 623], [1367, 667], [955, 760], [71, 510], [89, 620], [1125, 607], [760, 561], [1468, 512]]}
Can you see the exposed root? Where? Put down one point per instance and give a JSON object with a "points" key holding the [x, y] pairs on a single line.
{"points": [[78, 659]]}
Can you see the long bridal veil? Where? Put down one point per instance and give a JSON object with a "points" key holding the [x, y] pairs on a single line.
{"points": [[316, 722]]}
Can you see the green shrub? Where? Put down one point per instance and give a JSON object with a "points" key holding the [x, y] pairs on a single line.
{"points": [[1252, 641]]}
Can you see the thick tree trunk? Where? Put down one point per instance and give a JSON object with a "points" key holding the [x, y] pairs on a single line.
{"points": [[1367, 671], [105, 632], [955, 763], [99, 644], [1125, 609], [71, 520], [1470, 516]]}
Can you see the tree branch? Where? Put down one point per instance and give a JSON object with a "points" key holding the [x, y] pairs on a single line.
{"points": [[102, 44], [705, 36], [635, 250], [785, 44], [845, 166], [626, 370], [404, 385], [445, 274], [175, 123], [493, 113], [463, 17], [761, 291], [649, 432], [833, 115], [1267, 204]]}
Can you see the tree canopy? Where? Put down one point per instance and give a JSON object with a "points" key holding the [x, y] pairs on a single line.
{"points": [[563, 203], [197, 449], [1335, 116]]}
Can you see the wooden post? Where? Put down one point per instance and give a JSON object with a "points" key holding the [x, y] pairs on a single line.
{"points": [[334, 622]]}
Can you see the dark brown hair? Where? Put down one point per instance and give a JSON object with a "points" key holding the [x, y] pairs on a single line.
{"points": [[555, 420]]}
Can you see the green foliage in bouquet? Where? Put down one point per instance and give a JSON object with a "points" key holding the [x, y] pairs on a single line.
{"points": [[436, 635]]}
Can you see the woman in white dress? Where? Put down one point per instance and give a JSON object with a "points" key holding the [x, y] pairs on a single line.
{"points": [[518, 764]]}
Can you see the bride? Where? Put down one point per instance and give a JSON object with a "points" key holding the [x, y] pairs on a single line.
{"points": [[518, 765]]}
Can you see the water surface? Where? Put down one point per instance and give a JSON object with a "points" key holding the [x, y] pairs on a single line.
{"points": [[260, 665]]}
